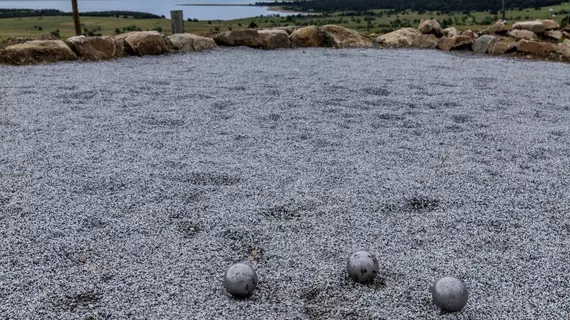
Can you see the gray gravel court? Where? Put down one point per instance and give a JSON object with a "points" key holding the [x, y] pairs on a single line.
{"points": [[128, 187]]}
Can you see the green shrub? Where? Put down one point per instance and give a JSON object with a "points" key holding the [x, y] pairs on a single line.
{"points": [[252, 25], [56, 33], [131, 28], [92, 32], [564, 22]]}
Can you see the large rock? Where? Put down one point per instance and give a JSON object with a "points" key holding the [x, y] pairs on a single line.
{"points": [[308, 37], [549, 24], [481, 44], [340, 37], [426, 41], [288, 29], [536, 47], [564, 48], [187, 42], [248, 38], [446, 43], [554, 34], [96, 48], [274, 39], [523, 35], [450, 32], [143, 43], [534, 26], [405, 37], [460, 42], [37, 51], [370, 36], [469, 33], [430, 27], [463, 42], [498, 27], [502, 47]]}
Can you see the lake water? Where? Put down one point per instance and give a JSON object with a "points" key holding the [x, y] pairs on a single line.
{"points": [[159, 7]]}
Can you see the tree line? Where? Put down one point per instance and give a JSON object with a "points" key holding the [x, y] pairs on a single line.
{"points": [[444, 6], [21, 13]]}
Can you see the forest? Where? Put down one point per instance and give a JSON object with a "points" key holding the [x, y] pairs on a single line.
{"points": [[20, 13], [445, 6]]}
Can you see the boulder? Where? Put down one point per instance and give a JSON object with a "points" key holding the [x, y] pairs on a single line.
{"points": [[450, 32], [274, 39], [37, 51], [536, 47], [370, 36], [523, 34], [96, 48], [534, 26], [446, 43], [187, 42], [426, 41], [498, 27], [430, 26], [460, 42], [143, 43], [564, 48], [481, 44], [340, 37], [470, 34], [400, 38], [235, 38], [566, 34], [502, 47], [554, 34], [288, 29], [549, 24], [309, 36]]}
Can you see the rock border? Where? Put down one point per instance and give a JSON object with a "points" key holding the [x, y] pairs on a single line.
{"points": [[538, 39]]}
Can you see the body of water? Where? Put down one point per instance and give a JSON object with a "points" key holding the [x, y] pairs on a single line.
{"points": [[159, 7]]}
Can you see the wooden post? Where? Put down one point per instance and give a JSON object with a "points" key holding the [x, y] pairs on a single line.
{"points": [[503, 10], [177, 21], [76, 17]]}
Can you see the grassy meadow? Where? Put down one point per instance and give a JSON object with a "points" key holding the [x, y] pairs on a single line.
{"points": [[378, 21]]}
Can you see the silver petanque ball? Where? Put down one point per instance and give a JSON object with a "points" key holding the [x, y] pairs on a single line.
{"points": [[362, 266], [240, 280], [450, 294]]}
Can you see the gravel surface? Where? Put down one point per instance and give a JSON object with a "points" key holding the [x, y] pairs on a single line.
{"points": [[127, 188]]}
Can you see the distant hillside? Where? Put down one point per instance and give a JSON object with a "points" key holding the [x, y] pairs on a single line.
{"points": [[20, 13], [416, 5]]}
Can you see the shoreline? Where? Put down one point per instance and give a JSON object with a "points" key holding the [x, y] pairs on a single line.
{"points": [[281, 9]]}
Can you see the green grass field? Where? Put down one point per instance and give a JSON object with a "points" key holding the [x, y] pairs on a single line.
{"points": [[35, 26]]}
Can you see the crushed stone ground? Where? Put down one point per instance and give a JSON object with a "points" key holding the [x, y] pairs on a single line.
{"points": [[128, 187]]}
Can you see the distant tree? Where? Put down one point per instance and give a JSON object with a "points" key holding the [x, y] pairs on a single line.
{"points": [[252, 25]]}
